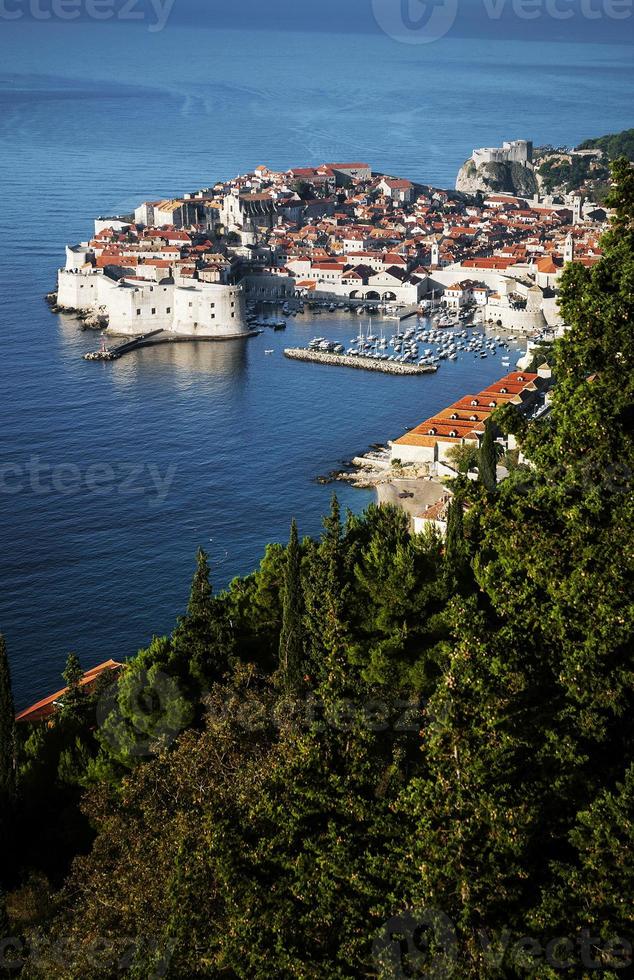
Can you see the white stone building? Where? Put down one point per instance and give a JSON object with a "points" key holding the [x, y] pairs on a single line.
{"points": [[513, 151], [134, 306]]}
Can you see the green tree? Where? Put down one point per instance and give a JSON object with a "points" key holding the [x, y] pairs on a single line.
{"points": [[487, 459], [291, 649], [325, 594], [455, 551], [464, 457], [202, 640], [74, 699]]}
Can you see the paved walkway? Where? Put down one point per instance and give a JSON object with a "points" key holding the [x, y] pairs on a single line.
{"points": [[425, 492]]}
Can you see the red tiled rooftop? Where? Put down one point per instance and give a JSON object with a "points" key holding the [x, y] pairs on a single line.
{"points": [[48, 706]]}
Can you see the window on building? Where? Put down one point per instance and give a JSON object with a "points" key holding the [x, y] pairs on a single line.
{"points": [[168, 309], [138, 312]]}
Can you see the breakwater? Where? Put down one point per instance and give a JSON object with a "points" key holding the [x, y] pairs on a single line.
{"points": [[359, 362]]}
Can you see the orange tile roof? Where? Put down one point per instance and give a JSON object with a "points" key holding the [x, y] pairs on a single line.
{"points": [[464, 426], [48, 706]]}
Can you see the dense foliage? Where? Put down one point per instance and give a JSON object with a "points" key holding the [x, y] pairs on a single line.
{"points": [[615, 145], [379, 754]]}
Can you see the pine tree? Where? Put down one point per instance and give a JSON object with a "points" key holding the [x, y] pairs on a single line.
{"points": [[488, 459], [291, 642]]}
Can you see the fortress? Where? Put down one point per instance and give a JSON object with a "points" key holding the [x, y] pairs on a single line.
{"points": [[514, 151], [132, 306]]}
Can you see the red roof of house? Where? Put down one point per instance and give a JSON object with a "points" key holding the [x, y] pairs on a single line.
{"points": [[48, 706]]}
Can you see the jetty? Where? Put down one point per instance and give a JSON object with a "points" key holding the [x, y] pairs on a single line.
{"points": [[113, 353], [357, 361], [153, 339]]}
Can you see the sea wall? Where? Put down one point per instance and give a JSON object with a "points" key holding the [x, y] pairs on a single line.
{"points": [[360, 363], [78, 290], [133, 307]]}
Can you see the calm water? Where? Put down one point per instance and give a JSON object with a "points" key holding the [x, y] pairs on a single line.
{"points": [[95, 119]]}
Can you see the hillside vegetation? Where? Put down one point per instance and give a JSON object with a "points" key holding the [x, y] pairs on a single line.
{"points": [[614, 146]]}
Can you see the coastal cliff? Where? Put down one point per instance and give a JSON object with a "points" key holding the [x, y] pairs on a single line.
{"points": [[496, 178]]}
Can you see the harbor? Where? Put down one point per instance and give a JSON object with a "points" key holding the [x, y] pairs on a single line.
{"points": [[449, 337]]}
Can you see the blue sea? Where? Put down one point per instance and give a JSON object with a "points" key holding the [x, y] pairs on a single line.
{"points": [[212, 445]]}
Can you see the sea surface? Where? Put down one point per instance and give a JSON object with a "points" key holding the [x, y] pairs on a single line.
{"points": [[212, 445]]}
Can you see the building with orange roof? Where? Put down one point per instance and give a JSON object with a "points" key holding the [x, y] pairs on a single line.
{"points": [[463, 423], [45, 709]]}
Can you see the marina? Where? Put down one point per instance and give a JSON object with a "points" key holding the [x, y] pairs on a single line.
{"points": [[449, 337]]}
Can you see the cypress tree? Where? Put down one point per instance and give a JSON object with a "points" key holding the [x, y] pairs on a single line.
{"points": [[72, 675], [7, 730], [454, 541], [291, 646], [325, 599], [201, 592], [488, 459], [202, 639]]}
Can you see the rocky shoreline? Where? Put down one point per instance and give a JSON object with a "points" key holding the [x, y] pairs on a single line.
{"points": [[88, 319], [372, 469]]}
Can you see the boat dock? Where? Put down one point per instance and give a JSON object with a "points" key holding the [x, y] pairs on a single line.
{"points": [[113, 353], [359, 362], [153, 339]]}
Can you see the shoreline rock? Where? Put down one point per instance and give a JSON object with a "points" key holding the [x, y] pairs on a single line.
{"points": [[372, 469], [89, 320]]}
